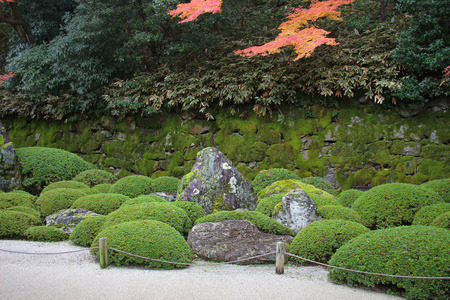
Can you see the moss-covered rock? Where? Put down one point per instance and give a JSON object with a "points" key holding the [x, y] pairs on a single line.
{"points": [[13, 224], [166, 184], [45, 234], [440, 186], [143, 199], [16, 199], [427, 214], [57, 199], [65, 184], [319, 240], [95, 177], [407, 251], [267, 177], [347, 197], [147, 238], [337, 212], [85, 232], [442, 221], [132, 186], [101, 203]]}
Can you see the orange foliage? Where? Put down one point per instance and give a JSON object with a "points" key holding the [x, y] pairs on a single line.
{"points": [[190, 11], [4, 77], [303, 40], [3, 1]]}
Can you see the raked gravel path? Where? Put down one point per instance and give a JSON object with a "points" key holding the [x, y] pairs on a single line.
{"points": [[79, 276]]}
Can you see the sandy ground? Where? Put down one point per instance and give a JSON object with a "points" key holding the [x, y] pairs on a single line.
{"points": [[79, 276]]}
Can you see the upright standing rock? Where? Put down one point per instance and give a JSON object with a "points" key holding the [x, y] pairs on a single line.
{"points": [[215, 184], [9, 177], [298, 210]]}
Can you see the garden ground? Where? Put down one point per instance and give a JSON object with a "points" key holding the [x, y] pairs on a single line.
{"points": [[79, 276]]}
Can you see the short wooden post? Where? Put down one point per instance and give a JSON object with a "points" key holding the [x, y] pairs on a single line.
{"points": [[103, 248], [279, 262]]}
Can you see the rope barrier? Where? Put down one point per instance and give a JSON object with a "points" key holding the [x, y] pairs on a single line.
{"points": [[44, 253], [364, 272]]}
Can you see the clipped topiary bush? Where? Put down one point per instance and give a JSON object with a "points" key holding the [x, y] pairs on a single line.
{"points": [[45, 234], [85, 232], [427, 214], [101, 203], [440, 186], [143, 199], [94, 177], [347, 197], [320, 183], [16, 199], [40, 166], [148, 238], [13, 224], [267, 177], [166, 184], [101, 188], [132, 186], [442, 221], [406, 250], [25, 209], [267, 205], [337, 212], [164, 212], [320, 239], [54, 200], [262, 222], [66, 184], [393, 204], [193, 210]]}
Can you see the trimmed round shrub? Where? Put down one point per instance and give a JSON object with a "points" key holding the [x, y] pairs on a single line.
{"points": [[25, 209], [100, 203], [427, 214], [16, 199], [45, 234], [442, 221], [164, 212], [13, 224], [319, 240], [143, 199], [405, 250], [393, 204], [55, 200], [267, 205], [262, 222], [335, 212], [147, 238], [95, 177], [347, 197], [440, 186], [67, 184], [85, 232], [132, 186], [267, 177], [284, 186], [40, 166], [101, 188], [320, 183], [193, 210], [166, 184]]}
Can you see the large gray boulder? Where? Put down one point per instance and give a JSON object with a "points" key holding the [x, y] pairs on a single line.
{"points": [[9, 177], [232, 240], [67, 219], [215, 184], [298, 210]]}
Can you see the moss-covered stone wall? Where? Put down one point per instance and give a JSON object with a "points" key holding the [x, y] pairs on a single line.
{"points": [[354, 146]]}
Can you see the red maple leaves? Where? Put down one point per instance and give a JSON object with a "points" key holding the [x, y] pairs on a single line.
{"points": [[3, 78], [190, 11]]}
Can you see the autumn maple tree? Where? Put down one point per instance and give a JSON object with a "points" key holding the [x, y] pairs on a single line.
{"points": [[298, 31]]}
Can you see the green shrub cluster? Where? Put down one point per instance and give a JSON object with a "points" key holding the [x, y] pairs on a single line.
{"points": [[393, 204], [267, 177], [319, 240], [262, 222], [45, 234], [166, 184], [320, 183], [101, 188], [148, 238], [95, 177], [40, 166], [143, 199], [65, 184], [16, 199], [85, 232], [267, 205], [405, 250], [164, 212], [337, 212], [193, 210], [13, 224], [347, 197], [132, 186], [440, 186], [442, 221], [427, 214], [58, 199], [25, 209], [100, 203]]}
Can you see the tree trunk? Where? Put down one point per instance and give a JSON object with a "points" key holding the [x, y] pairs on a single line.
{"points": [[17, 23]]}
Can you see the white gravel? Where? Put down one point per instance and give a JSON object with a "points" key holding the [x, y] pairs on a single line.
{"points": [[79, 276]]}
